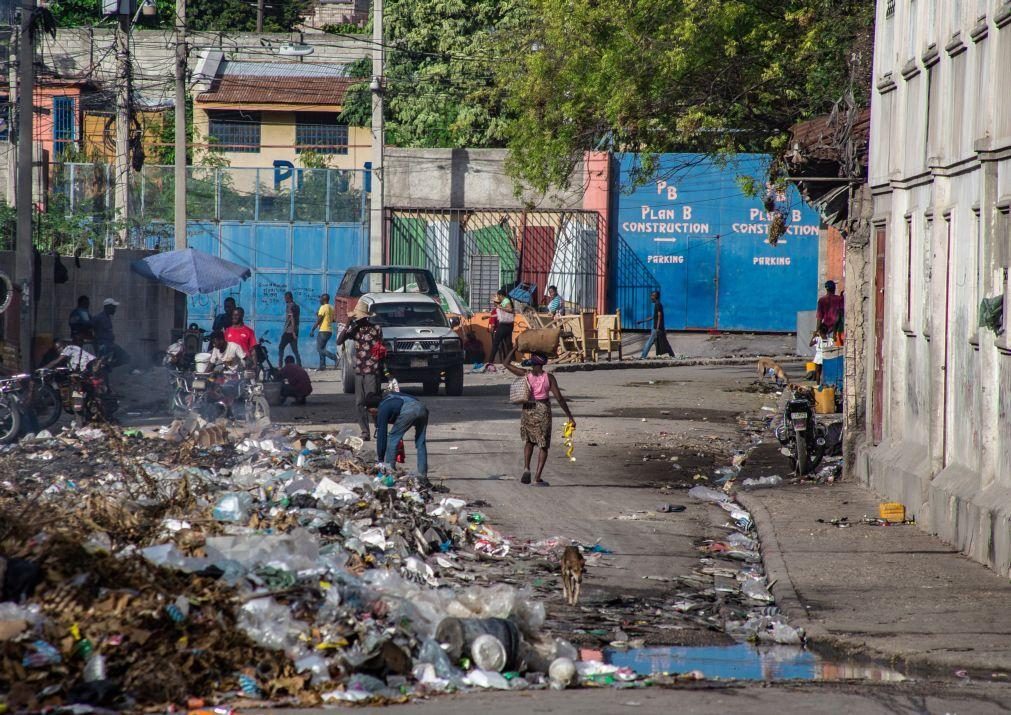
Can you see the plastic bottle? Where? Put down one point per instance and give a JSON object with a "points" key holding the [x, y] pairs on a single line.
{"points": [[94, 669], [233, 507], [561, 672], [762, 483], [401, 453], [249, 687]]}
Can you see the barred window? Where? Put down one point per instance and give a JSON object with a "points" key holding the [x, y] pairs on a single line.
{"points": [[320, 132], [235, 131]]}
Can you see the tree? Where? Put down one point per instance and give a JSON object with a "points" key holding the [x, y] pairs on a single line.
{"points": [[240, 15], [712, 76], [440, 73]]}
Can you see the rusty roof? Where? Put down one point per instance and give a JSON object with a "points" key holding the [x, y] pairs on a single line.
{"points": [[819, 138], [273, 90], [287, 83]]}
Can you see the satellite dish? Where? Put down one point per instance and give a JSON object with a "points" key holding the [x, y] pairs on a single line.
{"points": [[295, 49], [6, 291]]}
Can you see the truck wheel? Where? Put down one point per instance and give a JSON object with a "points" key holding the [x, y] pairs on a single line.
{"points": [[430, 386], [454, 381], [347, 374]]}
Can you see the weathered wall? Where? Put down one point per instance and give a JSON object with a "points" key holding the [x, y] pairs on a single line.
{"points": [[80, 52], [277, 142], [466, 178], [142, 323], [859, 266], [941, 179]]}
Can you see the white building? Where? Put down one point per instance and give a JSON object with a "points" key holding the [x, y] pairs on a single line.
{"points": [[939, 386]]}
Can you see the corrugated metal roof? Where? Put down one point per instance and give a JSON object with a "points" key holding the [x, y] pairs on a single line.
{"points": [[287, 83], [303, 92], [238, 68]]}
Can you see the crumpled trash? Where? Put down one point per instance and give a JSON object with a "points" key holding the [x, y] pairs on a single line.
{"points": [[707, 494]]}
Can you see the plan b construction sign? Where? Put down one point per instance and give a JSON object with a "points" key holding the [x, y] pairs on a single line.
{"points": [[692, 232]]}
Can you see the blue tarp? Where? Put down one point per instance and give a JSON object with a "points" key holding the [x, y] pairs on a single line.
{"points": [[191, 271]]}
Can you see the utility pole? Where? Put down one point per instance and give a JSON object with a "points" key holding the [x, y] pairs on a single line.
{"points": [[378, 138], [180, 116], [23, 272], [12, 128], [259, 15], [123, 83]]}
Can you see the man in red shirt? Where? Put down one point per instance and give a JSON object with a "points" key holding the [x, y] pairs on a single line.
{"points": [[295, 382], [830, 310], [240, 333]]}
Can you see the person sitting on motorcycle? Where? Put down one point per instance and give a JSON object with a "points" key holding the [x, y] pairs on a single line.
{"points": [[72, 355], [230, 356]]}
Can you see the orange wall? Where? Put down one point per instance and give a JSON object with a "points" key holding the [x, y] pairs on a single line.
{"points": [[43, 124], [835, 252]]}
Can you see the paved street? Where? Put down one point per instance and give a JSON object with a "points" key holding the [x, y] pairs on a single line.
{"points": [[892, 592]]}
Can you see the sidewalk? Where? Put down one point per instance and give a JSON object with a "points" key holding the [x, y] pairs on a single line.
{"points": [[891, 592]]}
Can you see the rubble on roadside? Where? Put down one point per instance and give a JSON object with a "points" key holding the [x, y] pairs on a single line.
{"points": [[204, 565]]}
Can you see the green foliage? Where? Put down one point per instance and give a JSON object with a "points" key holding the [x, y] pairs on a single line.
{"points": [[358, 100], [83, 13], [712, 76], [440, 73], [342, 28], [240, 15], [165, 152]]}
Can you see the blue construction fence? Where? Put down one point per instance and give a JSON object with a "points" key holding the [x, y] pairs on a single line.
{"points": [[692, 232]]}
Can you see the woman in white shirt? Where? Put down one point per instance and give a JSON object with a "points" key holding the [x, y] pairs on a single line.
{"points": [[502, 338]]}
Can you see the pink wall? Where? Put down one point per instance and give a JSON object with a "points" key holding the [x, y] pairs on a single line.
{"points": [[597, 197]]}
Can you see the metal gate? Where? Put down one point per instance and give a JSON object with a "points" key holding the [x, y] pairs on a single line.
{"points": [[306, 258], [543, 247]]}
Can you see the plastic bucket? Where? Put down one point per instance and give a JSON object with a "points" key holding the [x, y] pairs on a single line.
{"points": [[460, 635], [202, 362]]}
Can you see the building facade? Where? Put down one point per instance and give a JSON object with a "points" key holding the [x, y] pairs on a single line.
{"points": [[939, 385], [271, 114]]}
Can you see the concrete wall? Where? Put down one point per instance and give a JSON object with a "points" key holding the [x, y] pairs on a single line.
{"points": [[941, 179], [91, 52], [142, 323], [466, 178]]}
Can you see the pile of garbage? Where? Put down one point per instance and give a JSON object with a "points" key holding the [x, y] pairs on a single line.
{"points": [[199, 565], [735, 565]]}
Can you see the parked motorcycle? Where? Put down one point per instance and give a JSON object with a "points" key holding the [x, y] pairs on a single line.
{"points": [[216, 395], [10, 410], [89, 397], [265, 370], [802, 437], [45, 400]]}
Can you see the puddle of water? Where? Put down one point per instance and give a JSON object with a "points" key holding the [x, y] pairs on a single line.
{"points": [[745, 662]]}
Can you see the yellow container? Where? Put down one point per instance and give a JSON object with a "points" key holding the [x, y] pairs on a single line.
{"points": [[892, 511], [824, 400], [810, 367]]}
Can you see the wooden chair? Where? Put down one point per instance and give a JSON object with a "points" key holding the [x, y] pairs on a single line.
{"points": [[608, 329]]}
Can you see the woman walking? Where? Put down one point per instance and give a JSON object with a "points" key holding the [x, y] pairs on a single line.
{"points": [[505, 315], [535, 421]]}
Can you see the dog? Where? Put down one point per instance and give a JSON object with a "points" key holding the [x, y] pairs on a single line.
{"points": [[767, 367], [572, 574]]}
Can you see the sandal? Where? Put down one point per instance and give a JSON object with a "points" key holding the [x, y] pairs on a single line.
{"points": [[541, 483], [525, 479]]}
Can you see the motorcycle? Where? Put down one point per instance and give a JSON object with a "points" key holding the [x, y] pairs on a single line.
{"points": [[10, 409], [265, 370], [802, 437], [45, 400], [216, 394], [182, 393], [89, 398]]}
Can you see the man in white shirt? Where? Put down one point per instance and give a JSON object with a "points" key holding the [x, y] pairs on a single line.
{"points": [[72, 355], [231, 356]]}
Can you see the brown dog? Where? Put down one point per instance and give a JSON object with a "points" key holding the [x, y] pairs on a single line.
{"points": [[572, 573], [765, 365]]}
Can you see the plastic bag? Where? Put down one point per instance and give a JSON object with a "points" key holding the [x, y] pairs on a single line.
{"points": [[706, 494], [991, 314]]}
